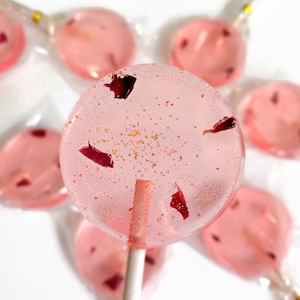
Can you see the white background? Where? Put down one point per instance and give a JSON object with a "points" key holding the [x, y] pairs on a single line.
{"points": [[32, 264]]}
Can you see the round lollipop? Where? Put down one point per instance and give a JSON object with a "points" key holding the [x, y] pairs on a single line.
{"points": [[92, 42], [12, 41], [270, 116], [101, 261], [213, 49], [146, 153], [259, 227], [30, 174]]}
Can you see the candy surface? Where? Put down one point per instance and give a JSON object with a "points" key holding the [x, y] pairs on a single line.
{"points": [[271, 118], [12, 41], [158, 123], [252, 236], [102, 261], [214, 50], [30, 174], [95, 42]]}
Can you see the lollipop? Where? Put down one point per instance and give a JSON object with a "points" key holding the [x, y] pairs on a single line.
{"points": [[101, 261], [146, 154], [30, 174], [12, 41], [270, 116], [259, 227], [92, 42], [213, 49]]}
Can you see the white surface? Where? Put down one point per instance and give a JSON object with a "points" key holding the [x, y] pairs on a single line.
{"points": [[31, 262]]}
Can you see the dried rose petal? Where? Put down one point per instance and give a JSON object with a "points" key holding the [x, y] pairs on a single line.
{"points": [[114, 281], [121, 86], [216, 238], [271, 255], [101, 158], [229, 72], [224, 124], [274, 98], [23, 182], [178, 202], [150, 260], [3, 37], [226, 32], [38, 132]]}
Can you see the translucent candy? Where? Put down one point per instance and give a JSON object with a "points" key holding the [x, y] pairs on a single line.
{"points": [[252, 236], [214, 50], [157, 123], [271, 118], [30, 174], [94, 42], [12, 41], [102, 261]]}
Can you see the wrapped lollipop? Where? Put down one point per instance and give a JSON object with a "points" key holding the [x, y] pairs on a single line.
{"points": [[252, 238], [269, 113], [142, 157], [91, 42], [212, 48], [12, 41]]}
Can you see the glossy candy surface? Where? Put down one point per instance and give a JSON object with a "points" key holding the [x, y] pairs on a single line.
{"points": [[252, 236], [271, 118], [214, 50], [30, 174], [158, 123], [94, 42], [12, 41], [102, 261]]}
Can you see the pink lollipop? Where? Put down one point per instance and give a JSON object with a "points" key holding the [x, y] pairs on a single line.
{"points": [[92, 42], [252, 236], [271, 118], [30, 174], [12, 41], [102, 261], [214, 50], [142, 155]]}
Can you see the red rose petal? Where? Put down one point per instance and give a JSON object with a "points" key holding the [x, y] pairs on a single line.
{"points": [[23, 182], [101, 158], [121, 86], [38, 132], [224, 124], [114, 281], [150, 260], [3, 38], [178, 202]]}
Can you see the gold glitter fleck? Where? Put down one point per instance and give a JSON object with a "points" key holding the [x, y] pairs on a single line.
{"points": [[37, 16], [247, 9], [199, 214]]}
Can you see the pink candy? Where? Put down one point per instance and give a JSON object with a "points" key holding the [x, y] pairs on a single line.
{"points": [[252, 236], [12, 41], [214, 50], [271, 118], [95, 42], [102, 261], [29, 169]]}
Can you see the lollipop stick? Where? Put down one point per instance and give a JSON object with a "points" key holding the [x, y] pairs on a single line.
{"points": [[137, 240]]}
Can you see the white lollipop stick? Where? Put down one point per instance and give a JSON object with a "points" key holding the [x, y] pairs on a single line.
{"points": [[137, 240]]}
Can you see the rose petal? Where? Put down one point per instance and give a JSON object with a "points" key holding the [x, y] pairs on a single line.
{"points": [[114, 281], [224, 124], [121, 86], [101, 158], [178, 202]]}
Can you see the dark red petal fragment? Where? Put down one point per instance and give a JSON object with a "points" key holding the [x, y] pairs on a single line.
{"points": [[274, 98], [216, 238], [271, 255], [150, 260], [228, 72], [114, 281], [183, 43], [101, 158], [38, 132], [226, 32], [3, 38], [224, 124], [23, 182], [121, 86], [178, 202]]}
